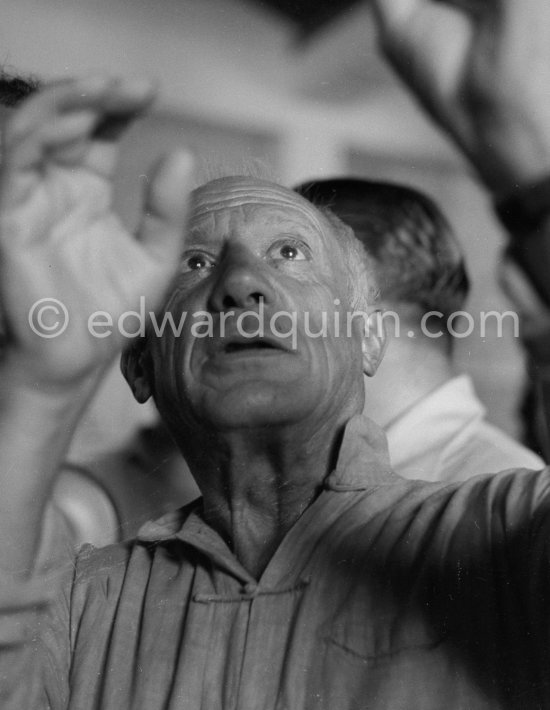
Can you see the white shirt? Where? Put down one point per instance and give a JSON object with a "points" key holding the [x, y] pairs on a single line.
{"points": [[445, 437]]}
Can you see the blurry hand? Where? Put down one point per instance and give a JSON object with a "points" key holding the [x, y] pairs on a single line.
{"points": [[481, 68], [59, 236]]}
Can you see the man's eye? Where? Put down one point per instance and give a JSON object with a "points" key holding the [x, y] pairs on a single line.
{"points": [[196, 262], [289, 250]]}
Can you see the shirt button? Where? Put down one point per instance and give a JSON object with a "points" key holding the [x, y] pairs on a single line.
{"points": [[250, 589]]}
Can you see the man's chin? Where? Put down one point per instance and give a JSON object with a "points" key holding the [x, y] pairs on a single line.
{"points": [[250, 407]]}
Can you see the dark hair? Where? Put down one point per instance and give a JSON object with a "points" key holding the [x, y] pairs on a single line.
{"points": [[13, 89], [417, 258]]}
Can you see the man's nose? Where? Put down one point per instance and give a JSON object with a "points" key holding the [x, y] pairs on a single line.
{"points": [[242, 281]]}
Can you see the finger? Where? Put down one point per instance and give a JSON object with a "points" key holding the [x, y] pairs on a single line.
{"points": [[166, 207], [69, 128], [396, 18], [391, 15], [98, 108], [426, 42], [54, 138], [105, 95]]}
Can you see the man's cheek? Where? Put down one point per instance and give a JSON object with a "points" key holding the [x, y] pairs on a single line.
{"points": [[317, 324], [284, 324]]}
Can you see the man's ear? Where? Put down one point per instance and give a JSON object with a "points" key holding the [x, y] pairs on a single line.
{"points": [[374, 342], [134, 364]]}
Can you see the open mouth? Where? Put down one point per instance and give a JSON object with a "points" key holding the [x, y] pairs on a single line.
{"points": [[237, 347]]}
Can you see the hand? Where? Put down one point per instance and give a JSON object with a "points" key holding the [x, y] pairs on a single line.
{"points": [[481, 68], [59, 236]]}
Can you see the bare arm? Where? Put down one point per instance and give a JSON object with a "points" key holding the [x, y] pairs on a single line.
{"points": [[481, 68], [60, 239]]}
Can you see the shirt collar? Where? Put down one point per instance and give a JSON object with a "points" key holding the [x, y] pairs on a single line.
{"points": [[363, 462]]}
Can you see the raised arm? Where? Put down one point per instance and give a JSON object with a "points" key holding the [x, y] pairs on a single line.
{"points": [[481, 68], [64, 255]]}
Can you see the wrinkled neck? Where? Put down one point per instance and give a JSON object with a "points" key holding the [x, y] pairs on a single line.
{"points": [[256, 483]]}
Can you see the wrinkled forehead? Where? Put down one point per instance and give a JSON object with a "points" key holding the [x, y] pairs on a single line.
{"points": [[233, 193]]}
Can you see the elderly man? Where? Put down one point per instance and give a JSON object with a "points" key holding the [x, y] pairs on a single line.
{"points": [[433, 419], [309, 575]]}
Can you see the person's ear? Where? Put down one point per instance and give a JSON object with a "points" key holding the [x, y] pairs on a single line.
{"points": [[135, 366], [374, 342]]}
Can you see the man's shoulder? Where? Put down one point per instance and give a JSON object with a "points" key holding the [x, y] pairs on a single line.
{"points": [[406, 494], [94, 563], [112, 560], [416, 510]]}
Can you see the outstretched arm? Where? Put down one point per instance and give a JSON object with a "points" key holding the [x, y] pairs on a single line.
{"points": [[62, 247]]}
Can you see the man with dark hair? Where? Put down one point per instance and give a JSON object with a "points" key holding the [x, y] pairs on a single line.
{"points": [[419, 261], [433, 419], [309, 576]]}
